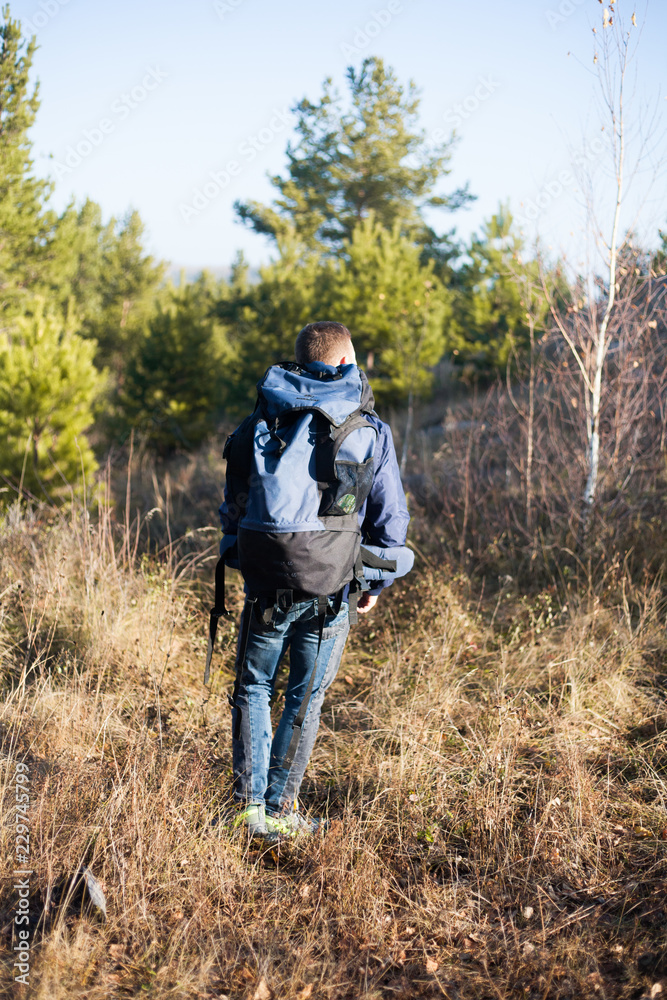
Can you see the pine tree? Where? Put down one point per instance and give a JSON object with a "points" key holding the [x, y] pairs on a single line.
{"points": [[395, 307], [173, 388], [349, 161], [112, 279], [48, 386], [490, 312], [25, 226], [77, 259]]}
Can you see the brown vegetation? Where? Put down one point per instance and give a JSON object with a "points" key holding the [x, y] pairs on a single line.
{"points": [[493, 769]]}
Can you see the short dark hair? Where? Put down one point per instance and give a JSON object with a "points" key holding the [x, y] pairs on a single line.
{"points": [[324, 341]]}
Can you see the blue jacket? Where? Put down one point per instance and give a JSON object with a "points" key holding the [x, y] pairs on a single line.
{"points": [[384, 517]]}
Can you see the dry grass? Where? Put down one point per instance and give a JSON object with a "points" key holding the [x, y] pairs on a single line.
{"points": [[494, 775]]}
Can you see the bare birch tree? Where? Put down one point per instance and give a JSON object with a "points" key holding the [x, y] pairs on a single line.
{"points": [[589, 341]]}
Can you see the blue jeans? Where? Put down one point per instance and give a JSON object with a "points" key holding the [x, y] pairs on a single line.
{"points": [[259, 773]]}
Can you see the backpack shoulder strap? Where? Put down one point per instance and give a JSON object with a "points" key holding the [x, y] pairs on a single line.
{"points": [[218, 610], [238, 446]]}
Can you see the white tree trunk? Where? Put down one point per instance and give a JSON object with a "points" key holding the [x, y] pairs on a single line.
{"points": [[603, 338]]}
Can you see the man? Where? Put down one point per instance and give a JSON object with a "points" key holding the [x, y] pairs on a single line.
{"points": [[268, 771]]}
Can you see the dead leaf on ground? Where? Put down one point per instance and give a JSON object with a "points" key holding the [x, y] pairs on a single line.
{"points": [[117, 952], [432, 965], [306, 992], [262, 992]]}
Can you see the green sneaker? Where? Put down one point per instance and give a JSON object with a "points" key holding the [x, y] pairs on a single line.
{"points": [[293, 824], [253, 818]]}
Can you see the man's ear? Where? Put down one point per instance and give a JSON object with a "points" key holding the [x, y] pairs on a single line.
{"points": [[349, 358]]}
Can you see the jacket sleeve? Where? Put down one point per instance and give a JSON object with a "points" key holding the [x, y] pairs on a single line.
{"points": [[384, 517]]}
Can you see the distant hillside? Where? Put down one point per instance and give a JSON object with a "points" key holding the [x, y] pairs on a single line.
{"points": [[192, 273]]}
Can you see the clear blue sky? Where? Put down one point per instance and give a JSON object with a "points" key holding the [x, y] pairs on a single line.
{"points": [[166, 93]]}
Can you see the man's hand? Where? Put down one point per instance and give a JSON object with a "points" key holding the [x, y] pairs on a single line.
{"points": [[367, 602]]}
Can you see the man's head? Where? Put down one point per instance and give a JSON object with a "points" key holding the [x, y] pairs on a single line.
{"points": [[327, 342]]}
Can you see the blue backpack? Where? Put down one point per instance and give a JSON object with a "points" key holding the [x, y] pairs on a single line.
{"points": [[298, 471]]}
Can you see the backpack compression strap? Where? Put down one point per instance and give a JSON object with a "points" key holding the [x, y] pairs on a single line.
{"points": [[217, 611], [357, 586], [376, 562]]}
